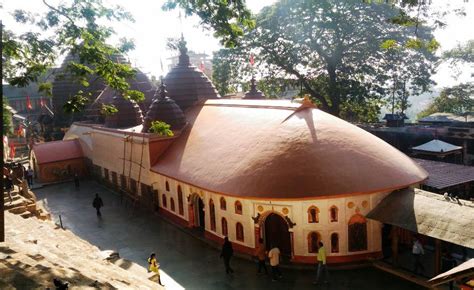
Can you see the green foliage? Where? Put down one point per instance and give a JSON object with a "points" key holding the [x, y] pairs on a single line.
{"points": [[340, 53], [7, 123], [225, 76], [108, 110], [461, 53], [161, 128], [456, 100], [228, 19], [72, 27]]}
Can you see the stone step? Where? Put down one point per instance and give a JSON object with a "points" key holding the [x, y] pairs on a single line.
{"points": [[26, 214], [14, 204], [6, 198], [17, 210]]}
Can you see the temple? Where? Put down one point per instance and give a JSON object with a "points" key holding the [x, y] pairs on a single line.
{"points": [[247, 169]]}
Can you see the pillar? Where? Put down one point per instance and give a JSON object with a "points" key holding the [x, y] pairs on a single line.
{"points": [[190, 215], [395, 239], [292, 241], [437, 266]]}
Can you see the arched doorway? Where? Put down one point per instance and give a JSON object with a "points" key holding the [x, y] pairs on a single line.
{"points": [[276, 233], [198, 209]]}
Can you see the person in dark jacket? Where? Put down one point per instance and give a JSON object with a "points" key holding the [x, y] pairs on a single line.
{"points": [[97, 204], [227, 253], [76, 181]]}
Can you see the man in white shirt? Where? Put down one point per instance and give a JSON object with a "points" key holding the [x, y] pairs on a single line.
{"points": [[274, 256], [417, 251]]}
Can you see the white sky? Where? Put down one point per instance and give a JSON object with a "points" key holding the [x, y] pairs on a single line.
{"points": [[153, 26]]}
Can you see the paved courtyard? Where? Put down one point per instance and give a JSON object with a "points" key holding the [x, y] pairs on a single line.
{"points": [[186, 262]]}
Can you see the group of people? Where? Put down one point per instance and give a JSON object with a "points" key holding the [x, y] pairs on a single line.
{"points": [[273, 255]]}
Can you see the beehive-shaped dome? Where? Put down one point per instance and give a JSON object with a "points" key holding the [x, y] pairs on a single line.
{"points": [[128, 115], [254, 93], [64, 87], [166, 110], [186, 84], [140, 83]]}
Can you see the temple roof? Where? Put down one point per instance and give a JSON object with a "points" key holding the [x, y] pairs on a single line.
{"points": [[57, 151], [166, 110], [186, 84], [254, 93], [128, 115], [273, 150], [437, 146]]}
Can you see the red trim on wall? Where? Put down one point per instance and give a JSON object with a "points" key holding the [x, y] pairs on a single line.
{"points": [[172, 217], [338, 259], [236, 246]]}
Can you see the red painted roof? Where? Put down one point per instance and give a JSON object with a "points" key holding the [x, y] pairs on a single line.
{"points": [[57, 151], [268, 149]]}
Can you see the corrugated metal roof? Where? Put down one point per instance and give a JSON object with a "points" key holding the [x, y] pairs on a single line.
{"points": [[428, 214], [437, 146], [443, 175]]}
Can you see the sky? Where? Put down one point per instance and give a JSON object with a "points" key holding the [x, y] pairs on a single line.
{"points": [[152, 27]]}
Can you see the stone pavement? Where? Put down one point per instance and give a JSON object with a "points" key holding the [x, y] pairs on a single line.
{"points": [[186, 262]]}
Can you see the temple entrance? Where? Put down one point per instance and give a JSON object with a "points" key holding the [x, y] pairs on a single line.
{"points": [[276, 233], [199, 216]]}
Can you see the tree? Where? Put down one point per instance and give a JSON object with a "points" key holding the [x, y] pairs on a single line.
{"points": [[71, 28], [6, 119], [456, 100], [334, 50], [225, 74], [228, 19]]}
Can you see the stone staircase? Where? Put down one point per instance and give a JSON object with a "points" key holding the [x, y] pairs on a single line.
{"points": [[36, 252], [24, 206]]}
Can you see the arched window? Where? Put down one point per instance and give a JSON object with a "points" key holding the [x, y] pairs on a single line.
{"points": [[180, 201], [224, 227], [223, 203], [334, 243], [333, 214], [357, 233], [172, 204], [313, 214], [313, 242], [167, 185], [239, 232], [238, 207], [212, 215], [163, 199]]}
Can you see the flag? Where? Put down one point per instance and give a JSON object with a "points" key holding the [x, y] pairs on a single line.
{"points": [[12, 151], [41, 102], [201, 66], [252, 60], [28, 103]]}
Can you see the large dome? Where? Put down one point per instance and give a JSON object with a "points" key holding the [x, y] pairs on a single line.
{"points": [[164, 109], [186, 84], [273, 149], [128, 115]]}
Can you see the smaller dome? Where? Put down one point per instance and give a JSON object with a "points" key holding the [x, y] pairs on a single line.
{"points": [[254, 93], [128, 115], [166, 110]]}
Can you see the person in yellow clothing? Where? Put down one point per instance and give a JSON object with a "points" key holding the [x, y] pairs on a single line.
{"points": [[153, 266], [322, 264]]}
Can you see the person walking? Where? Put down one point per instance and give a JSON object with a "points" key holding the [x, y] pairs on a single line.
{"points": [[261, 255], [227, 253], [8, 185], [154, 266], [322, 266], [29, 176], [417, 252], [76, 181], [97, 204], [274, 256]]}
